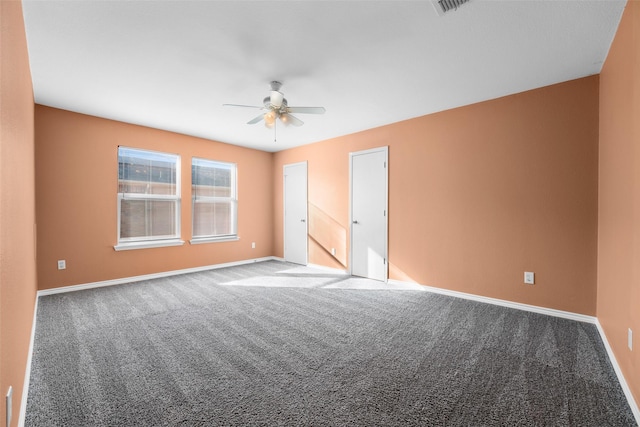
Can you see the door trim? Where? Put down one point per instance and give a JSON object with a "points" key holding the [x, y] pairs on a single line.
{"points": [[384, 149], [306, 210]]}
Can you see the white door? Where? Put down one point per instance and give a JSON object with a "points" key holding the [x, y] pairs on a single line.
{"points": [[295, 213], [369, 213]]}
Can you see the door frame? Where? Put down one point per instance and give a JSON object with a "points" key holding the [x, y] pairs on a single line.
{"points": [[384, 149], [306, 209]]}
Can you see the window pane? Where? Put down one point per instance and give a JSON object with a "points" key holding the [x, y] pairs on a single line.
{"points": [[147, 218], [213, 218], [212, 179], [146, 172]]}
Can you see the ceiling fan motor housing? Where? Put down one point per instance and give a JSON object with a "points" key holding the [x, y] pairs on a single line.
{"points": [[269, 105]]}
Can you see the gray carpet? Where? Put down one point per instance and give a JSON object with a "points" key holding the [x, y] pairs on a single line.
{"points": [[272, 344]]}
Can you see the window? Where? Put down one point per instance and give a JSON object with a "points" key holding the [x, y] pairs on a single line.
{"points": [[214, 200], [148, 199]]}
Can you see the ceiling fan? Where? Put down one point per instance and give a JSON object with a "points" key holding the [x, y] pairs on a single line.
{"points": [[276, 107]]}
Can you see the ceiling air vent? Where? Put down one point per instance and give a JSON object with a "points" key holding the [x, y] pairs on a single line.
{"points": [[444, 6]]}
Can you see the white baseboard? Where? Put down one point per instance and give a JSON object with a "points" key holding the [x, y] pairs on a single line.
{"points": [[27, 371], [623, 383], [124, 280], [504, 303], [328, 269], [318, 267]]}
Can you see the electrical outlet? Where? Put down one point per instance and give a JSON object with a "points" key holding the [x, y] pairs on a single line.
{"points": [[529, 278], [630, 339], [253, 245], [9, 405], [62, 264], [333, 251]]}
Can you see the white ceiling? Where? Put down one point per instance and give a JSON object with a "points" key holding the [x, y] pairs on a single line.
{"points": [[172, 64]]}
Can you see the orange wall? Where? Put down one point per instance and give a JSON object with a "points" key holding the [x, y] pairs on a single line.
{"points": [[76, 182], [478, 195], [17, 205], [619, 201]]}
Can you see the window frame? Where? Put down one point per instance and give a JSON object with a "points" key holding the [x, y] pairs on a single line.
{"points": [[143, 242], [232, 199]]}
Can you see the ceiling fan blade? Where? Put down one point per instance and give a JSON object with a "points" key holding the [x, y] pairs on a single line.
{"points": [[306, 110], [289, 119], [256, 119], [243, 106]]}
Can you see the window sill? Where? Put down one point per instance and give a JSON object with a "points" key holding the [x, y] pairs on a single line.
{"points": [[148, 244], [199, 240]]}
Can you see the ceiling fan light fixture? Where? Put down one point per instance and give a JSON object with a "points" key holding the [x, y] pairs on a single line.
{"points": [[270, 119]]}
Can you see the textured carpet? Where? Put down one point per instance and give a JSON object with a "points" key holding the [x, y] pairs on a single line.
{"points": [[272, 344]]}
